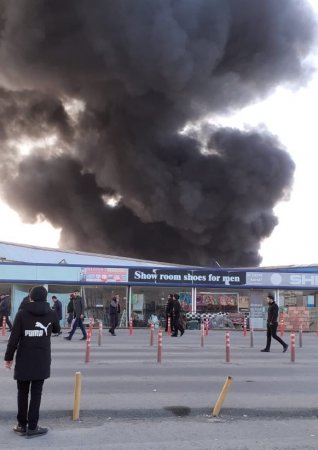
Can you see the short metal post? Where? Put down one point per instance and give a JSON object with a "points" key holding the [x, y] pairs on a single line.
{"points": [[292, 347]]}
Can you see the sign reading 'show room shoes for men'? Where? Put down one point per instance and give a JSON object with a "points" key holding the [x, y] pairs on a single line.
{"points": [[160, 276]]}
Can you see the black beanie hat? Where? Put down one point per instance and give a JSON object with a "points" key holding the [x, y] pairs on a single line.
{"points": [[38, 294]]}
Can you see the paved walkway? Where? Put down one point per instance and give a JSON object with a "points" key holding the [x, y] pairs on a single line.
{"points": [[125, 389]]}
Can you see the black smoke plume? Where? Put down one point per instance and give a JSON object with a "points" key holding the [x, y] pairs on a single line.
{"points": [[129, 92]]}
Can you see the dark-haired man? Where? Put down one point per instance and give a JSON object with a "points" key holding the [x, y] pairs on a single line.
{"points": [[177, 326], [272, 324], [114, 310], [79, 308]]}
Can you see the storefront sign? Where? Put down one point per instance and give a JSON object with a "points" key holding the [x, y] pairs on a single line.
{"points": [[282, 279], [216, 299], [191, 277], [103, 275]]}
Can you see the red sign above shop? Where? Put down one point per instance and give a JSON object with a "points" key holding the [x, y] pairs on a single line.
{"points": [[104, 275]]}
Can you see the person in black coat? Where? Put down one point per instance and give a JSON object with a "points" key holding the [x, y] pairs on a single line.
{"points": [[272, 324], [5, 310], [70, 311], [176, 316], [114, 310], [30, 339], [169, 312], [57, 307]]}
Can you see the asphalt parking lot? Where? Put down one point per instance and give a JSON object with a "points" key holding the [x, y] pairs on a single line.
{"points": [[129, 400]]}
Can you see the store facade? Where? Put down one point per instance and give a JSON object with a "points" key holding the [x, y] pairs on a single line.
{"points": [[143, 291]]}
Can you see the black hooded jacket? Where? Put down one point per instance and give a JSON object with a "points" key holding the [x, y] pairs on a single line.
{"points": [[31, 337]]}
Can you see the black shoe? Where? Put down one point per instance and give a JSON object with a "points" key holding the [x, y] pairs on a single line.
{"points": [[67, 338], [109, 331], [182, 332], [265, 350], [113, 334], [174, 335], [285, 348], [20, 429], [83, 338], [57, 334], [39, 431]]}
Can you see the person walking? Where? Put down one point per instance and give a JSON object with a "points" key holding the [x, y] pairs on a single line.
{"points": [[169, 313], [114, 310], [30, 339], [57, 307], [79, 308], [272, 324], [5, 310], [70, 311], [176, 316]]}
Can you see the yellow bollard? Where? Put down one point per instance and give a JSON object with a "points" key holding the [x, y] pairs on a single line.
{"points": [[77, 395], [221, 398]]}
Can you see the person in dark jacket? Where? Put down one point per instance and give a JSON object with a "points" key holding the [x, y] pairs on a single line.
{"points": [[176, 316], [30, 339], [70, 311], [25, 300], [5, 310], [57, 307], [114, 310], [79, 308], [272, 324], [169, 312]]}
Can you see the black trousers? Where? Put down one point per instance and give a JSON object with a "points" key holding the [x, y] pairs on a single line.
{"points": [[113, 322], [28, 412], [7, 320], [271, 333], [177, 325]]}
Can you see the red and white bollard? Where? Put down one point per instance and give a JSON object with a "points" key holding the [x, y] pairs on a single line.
{"points": [[292, 347], [227, 347], [152, 330], [206, 323], [244, 326], [159, 352], [282, 326], [202, 334], [130, 327], [169, 326], [90, 325], [100, 333], [4, 320], [88, 346]]}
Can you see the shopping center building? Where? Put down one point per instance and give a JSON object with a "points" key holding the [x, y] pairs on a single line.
{"points": [[143, 286]]}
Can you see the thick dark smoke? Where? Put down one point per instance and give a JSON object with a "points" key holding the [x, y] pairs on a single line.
{"points": [[129, 90]]}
